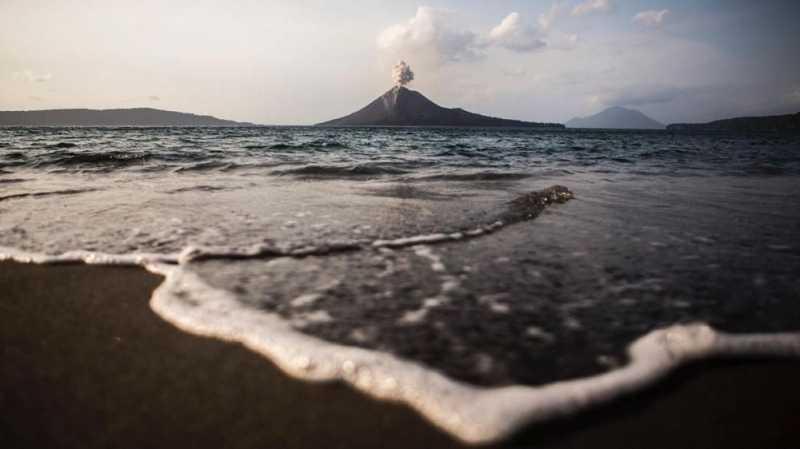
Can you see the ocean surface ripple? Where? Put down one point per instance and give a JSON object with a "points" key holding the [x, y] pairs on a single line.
{"points": [[360, 152]]}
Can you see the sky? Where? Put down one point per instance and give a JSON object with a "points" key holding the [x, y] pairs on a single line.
{"points": [[305, 61]]}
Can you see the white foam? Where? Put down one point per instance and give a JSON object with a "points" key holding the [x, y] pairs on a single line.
{"points": [[472, 414], [438, 238], [89, 257], [305, 300], [449, 283]]}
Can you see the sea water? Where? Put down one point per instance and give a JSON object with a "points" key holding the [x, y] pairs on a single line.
{"points": [[420, 265]]}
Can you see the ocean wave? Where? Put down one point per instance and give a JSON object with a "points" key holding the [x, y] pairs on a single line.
{"points": [[193, 301], [12, 180], [41, 194], [269, 146], [315, 144], [469, 149], [206, 166], [199, 188], [15, 155], [471, 414], [340, 171], [109, 158], [474, 415], [478, 176]]}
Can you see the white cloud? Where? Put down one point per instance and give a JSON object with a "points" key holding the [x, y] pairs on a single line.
{"points": [[430, 35], [515, 35], [31, 77], [592, 6], [547, 19], [652, 17], [154, 98]]}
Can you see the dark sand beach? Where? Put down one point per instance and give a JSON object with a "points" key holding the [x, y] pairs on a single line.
{"points": [[87, 364]]}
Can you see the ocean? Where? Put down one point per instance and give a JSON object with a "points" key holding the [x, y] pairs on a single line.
{"points": [[485, 277]]}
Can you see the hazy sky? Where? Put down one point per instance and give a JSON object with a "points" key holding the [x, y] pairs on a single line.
{"points": [[304, 61]]}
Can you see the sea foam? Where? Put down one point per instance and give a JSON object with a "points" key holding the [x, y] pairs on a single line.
{"points": [[471, 414]]}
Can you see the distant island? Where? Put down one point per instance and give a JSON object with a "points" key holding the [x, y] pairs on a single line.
{"points": [[787, 122], [145, 117], [404, 107], [616, 118]]}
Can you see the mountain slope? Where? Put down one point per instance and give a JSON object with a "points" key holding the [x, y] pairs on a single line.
{"points": [[404, 107], [616, 118], [787, 122], [110, 117]]}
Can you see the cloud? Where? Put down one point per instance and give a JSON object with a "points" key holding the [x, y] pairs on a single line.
{"points": [[31, 77], [154, 98], [515, 35], [430, 35], [651, 18], [592, 6], [546, 20]]}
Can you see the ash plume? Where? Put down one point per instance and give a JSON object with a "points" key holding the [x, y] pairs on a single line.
{"points": [[402, 74]]}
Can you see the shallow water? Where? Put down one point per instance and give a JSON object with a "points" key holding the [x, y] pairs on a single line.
{"points": [[410, 242]]}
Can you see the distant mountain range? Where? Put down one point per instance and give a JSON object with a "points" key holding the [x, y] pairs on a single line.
{"points": [[787, 122], [404, 107], [111, 118], [397, 107], [616, 118]]}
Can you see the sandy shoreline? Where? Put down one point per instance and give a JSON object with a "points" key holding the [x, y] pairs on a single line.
{"points": [[86, 363]]}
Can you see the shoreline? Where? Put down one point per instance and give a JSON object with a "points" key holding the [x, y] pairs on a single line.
{"points": [[86, 363]]}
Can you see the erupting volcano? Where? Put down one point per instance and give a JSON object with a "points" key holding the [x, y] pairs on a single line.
{"points": [[401, 106]]}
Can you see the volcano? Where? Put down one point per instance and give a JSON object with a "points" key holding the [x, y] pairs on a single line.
{"points": [[405, 107]]}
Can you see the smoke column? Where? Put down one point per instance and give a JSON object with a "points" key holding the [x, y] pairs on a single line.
{"points": [[402, 74]]}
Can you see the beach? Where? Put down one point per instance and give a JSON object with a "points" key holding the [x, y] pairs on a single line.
{"points": [[565, 224], [87, 364]]}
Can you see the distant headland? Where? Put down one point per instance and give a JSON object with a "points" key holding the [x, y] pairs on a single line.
{"points": [[136, 117], [786, 122]]}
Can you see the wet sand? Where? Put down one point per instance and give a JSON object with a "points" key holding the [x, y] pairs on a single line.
{"points": [[86, 364]]}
